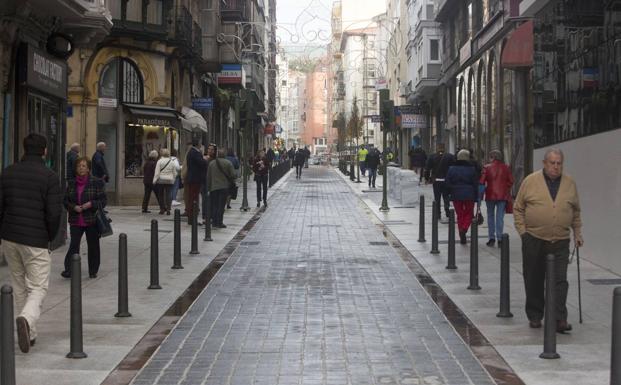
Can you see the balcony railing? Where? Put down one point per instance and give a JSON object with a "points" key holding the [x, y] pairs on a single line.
{"points": [[233, 10]]}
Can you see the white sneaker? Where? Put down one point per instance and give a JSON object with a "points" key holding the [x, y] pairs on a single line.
{"points": [[175, 203]]}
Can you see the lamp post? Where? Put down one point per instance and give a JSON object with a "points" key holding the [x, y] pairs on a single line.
{"points": [[388, 121], [244, 134]]}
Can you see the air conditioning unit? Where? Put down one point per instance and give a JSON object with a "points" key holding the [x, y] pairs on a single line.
{"points": [[405, 89]]}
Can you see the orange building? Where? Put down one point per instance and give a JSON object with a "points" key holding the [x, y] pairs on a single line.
{"points": [[315, 131]]}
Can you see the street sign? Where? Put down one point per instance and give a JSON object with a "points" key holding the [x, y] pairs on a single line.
{"points": [[202, 103]]}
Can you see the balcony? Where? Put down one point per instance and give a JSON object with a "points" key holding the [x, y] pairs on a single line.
{"points": [[233, 10]]}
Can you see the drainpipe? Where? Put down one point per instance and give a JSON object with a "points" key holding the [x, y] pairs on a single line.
{"points": [[5, 130]]}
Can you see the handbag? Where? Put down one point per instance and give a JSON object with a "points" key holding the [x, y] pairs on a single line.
{"points": [[509, 205], [480, 218], [103, 224], [233, 187]]}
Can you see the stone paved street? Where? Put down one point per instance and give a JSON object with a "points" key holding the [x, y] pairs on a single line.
{"points": [[314, 295]]}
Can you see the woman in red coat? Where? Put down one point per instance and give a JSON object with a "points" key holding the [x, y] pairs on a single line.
{"points": [[498, 180]]}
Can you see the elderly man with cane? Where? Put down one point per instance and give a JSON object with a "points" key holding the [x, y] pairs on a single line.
{"points": [[546, 208]]}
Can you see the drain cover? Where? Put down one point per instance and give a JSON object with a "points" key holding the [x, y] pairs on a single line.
{"points": [[160, 231], [378, 243], [605, 281], [249, 243]]}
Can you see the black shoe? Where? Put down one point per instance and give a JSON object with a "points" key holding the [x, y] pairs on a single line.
{"points": [[265, 203], [146, 212], [93, 275], [220, 226], [491, 242], [33, 342], [65, 274], [23, 334], [562, 326], [534, 324], [258, 204], [499, 243], [373, 186], [228, 206], [462, 238]]}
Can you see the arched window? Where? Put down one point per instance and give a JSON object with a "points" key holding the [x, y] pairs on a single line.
{"points": [[472, 109], [494, 129], [462, 121], [482, 129], [121, 80]]}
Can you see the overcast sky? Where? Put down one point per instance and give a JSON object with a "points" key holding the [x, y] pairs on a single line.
{"points": [[303, 25]]}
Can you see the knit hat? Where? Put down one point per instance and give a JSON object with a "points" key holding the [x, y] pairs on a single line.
{"points": [[463, 155]]}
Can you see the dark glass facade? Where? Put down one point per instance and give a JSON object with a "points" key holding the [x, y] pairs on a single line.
{"points": [[577, 68]]}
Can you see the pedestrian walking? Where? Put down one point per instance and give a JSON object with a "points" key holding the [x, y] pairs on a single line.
{"points": [[298, 162], [307, 157], [462, 183], [438, 165], [210, 154], [546, 208], [220, 178], [231, 157], [373, 161], [260, 168], [195, 177], [497, 179], [418, 159], [84, 196], [72, 155], [270, 155], [166, 171], [362, 158], [148, 171], [30, 212], [100, 170], [177, 185]]}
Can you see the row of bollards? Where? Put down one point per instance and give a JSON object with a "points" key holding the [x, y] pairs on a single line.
{"points": [[7, 337]]}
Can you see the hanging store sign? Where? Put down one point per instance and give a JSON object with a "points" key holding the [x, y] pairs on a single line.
{"points": [[202, 104], [46, 73], [413, 121], [231, 74]]}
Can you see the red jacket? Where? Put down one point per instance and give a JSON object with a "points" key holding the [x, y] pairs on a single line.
{"points": [[497, 178]]}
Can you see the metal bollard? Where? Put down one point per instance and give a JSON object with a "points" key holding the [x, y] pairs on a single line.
{"points": [[123, 285], [208, 223], [434, 228], [474, 256], [7, 337], [421, 220], [177, 241], [194, 247], [352, 173], [155, 264], [451, 241], [615, 351], [505, 292], [549, 327], [76, 347]]}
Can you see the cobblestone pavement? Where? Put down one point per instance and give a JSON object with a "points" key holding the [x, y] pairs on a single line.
{"points": [[314, 295]]}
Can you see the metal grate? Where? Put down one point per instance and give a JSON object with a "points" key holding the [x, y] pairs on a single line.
{"points": [[605, 281], [250, 243], [378, 243], [324, 225], [160, 231]]}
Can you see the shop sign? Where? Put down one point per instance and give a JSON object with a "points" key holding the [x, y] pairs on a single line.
{"points": [[46, 73], [374, 118], [107, 102], [413, 121], [162, 122], [278, 129], [202, 104], [231, 74], [381, 84], [268, 129]]}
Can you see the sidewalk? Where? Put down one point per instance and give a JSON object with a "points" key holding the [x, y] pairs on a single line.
{"points": [[585, 353], [107, 339]]}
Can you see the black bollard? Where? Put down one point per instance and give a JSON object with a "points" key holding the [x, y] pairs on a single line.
{"points": [[549, 327], [177, 241], [451, 241], [505, 301], [434, 229], [123, 286], [155, 263], [474, 256], [208, 223], [421, 220], [7, 337], [76, 348], [615, 348], [194, 246], [352, 173]]}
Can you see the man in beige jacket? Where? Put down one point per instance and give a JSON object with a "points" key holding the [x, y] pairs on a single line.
{"points": [[546, 208]]}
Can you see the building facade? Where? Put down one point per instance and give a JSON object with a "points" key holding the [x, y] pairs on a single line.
{"points": [[315, 132]]}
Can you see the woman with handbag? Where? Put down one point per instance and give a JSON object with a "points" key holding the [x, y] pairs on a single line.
{"points": [[220, 180], [462, 181], [84, 197], [497, 179], [166, 171]]}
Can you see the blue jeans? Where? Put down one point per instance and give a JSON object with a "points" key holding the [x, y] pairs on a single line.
{"points": [[495, 218], [372, 176], [175, 188]]}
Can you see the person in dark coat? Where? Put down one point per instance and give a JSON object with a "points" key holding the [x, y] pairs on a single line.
{"points": [[437, 166], [195, 177], [147, 180], [30, 212], [418, 159], [220, 174], [85, 195], [270, 155], [231, 157], [260, 166], [298, 162], [72, 155], [308, 154], [99, 163], [462, 182], [373, 161], [291, 153]]}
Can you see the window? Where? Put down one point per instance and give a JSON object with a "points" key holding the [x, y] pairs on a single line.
{"points": [[134, 10], [115, 8], [154, 12], [430, 15], [434, 50], [132, 83]]}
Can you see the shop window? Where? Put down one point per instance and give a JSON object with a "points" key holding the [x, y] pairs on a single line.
{"points": [[140, 140], [134, 11], [434, 50]]}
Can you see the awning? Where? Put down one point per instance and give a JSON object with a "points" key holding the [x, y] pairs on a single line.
{"points": [[518, 51], [192, 120], [152, 115]]}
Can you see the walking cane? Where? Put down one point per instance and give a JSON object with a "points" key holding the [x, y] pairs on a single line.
{"points": [[579, 288]]}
